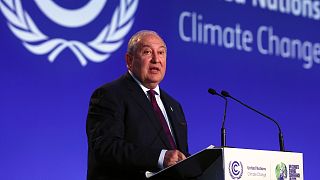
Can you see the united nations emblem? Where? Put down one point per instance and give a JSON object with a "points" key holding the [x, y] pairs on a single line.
{"points": [[235, 169], [96, 50]]}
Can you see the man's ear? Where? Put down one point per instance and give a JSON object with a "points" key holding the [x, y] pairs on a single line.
{"points": [[129, 59]]}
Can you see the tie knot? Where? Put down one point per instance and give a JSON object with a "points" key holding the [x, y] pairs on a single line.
{"points": [[151, 93]]}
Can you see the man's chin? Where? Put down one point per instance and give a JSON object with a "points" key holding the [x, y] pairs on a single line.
{"points": [[154, 82]]}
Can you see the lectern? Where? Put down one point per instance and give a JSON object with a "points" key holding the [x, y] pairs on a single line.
{"points": [[235, 164]]}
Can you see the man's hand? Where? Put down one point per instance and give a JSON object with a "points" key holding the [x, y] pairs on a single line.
{"points": [[172, 157]]}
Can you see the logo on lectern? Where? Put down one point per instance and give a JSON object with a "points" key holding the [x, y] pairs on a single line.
{"points": [[289, 171], [235, 169], [95, 50], [281, 171]]}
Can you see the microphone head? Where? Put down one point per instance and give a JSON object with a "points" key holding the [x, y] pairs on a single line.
{"points": [[225, 93], [212, 91]]}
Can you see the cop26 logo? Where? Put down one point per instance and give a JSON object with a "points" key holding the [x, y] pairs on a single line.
{"points": [[281, 171], [97, 50]]}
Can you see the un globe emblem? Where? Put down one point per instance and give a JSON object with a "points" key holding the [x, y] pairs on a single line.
{"points": [[99, 49]]}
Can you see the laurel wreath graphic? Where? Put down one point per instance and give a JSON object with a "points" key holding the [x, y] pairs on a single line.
{"points": [[97, 50]]}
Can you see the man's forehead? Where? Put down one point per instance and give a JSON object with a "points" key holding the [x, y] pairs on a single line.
{"points": [[152, 42], [150, 38]]}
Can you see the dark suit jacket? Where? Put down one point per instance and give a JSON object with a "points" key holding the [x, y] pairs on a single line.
{"points": [[125, 137]]}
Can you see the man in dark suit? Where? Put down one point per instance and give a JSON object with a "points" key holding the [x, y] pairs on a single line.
{"points": [[133, 126]]}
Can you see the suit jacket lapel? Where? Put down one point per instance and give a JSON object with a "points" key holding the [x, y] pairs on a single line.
{"points": [[139, 96]]}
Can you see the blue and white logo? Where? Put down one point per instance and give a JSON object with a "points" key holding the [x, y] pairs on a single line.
{"points": [[235, 169], [97, 50]]}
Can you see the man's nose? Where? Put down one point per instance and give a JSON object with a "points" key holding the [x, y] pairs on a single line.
{"points": [[155, 58]]}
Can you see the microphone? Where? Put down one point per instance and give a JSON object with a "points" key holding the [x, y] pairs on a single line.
{"points": [[281, 141], [223, 130]]}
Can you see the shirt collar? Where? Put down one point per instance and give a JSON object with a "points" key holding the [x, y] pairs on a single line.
{"points": [[145, 89]]}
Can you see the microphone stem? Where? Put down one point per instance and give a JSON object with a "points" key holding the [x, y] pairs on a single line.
{"points": [[280, 132], [223, 130], [281, 141], [223, 137], [257, 112], [225, 112]]}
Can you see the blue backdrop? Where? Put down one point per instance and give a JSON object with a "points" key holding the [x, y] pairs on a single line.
{"points": [[266, 54]]}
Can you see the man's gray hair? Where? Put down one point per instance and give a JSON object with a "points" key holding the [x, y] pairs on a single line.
{"points": [[135, 39]]}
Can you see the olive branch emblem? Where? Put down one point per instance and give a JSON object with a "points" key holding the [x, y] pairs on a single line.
{"points": [[97, 50]]}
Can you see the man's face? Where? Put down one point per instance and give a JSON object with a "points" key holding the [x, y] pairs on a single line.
{"points": [[148, 62]]}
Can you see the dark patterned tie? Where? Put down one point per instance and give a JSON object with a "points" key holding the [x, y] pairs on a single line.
{"points": [[163, 122]]}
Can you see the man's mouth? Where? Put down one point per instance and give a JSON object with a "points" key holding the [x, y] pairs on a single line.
{"points": [[154, 69]]}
